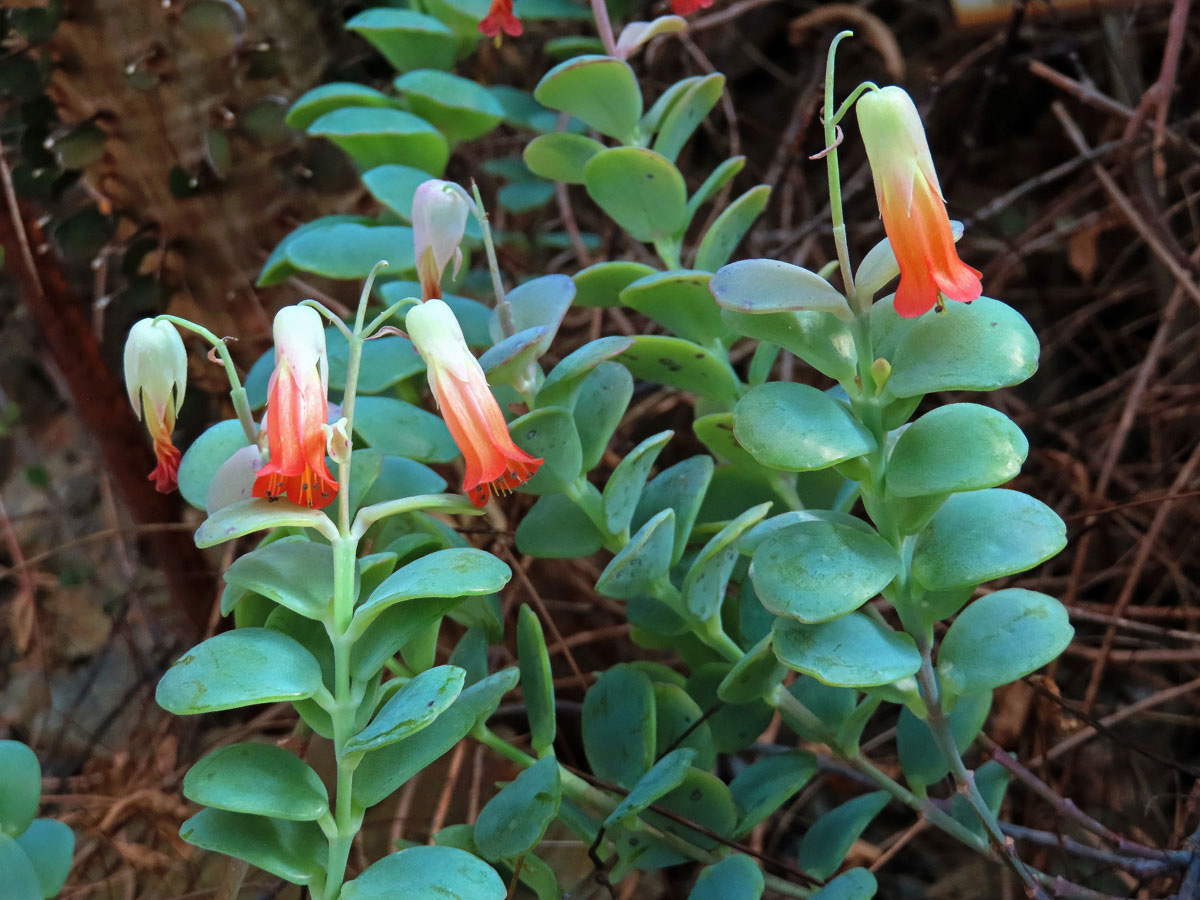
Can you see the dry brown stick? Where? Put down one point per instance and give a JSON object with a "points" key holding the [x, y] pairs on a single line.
{"points": [[1177, 269], [1158, 698], [1133, 657], [901, 842], [545, 616], [101, 403], [1158, 95], [1182, 478], [1178, 634], [443, 807], [1092, 97], [1116, 444]]}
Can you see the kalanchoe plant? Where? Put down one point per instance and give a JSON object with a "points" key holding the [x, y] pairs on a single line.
{"points": [[750, 563]]}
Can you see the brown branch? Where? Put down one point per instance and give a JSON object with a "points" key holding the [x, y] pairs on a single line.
{"points": [[101, 403]]}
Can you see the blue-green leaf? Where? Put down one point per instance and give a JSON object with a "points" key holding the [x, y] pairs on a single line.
{"points": [[239, 668], [257, 778], [377, 137], [987, 534], [767, 783], [49, 844], [598, 90], [396, 428], [293, 851], [621, 702], [419, 872], [665, 775], [958, 447], [20, 878], [413, 707], [979, 346], [736, 877], [851, 651], [798, 428], [730, 227], [537, 680], [407, 39], [513, 822], [640, 190], [21, 787], [999, 638], [814, 571], [624, 487], [827, 842], [456, 572]]}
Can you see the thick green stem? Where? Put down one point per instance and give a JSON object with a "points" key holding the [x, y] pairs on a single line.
{"points": [[345, 559], [943, 736], [342, 713], [584, 495]]}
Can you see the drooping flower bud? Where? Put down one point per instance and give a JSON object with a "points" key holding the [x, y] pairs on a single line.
{"points": [[494, 463], [439, 217], [911, 203], [500, 17], [156, 378], [296, 409]]}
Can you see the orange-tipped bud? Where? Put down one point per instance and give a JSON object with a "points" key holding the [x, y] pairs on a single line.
{"points": [[494, 463], [911, 203], [297, 408], [156, 377]]}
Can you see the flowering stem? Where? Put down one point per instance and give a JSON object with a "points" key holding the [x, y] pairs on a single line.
{"points": [[503, 307], [835, 178], [237, 393], [387, 314], [849, 101], [604, 27]]}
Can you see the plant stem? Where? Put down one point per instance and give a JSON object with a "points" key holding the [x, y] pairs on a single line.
{"points": [[343, 711], [345, 559], [943, 736], [835, 178], [604, 27], [503, 308]]}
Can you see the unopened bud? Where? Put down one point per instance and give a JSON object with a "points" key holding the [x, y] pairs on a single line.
{"points": [[439, 217], [337, 441], [881, 371]]}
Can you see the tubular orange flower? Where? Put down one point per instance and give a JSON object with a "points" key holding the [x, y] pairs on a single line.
{"points": [[494, 463], [156, 377], [296, 410], [911, 203], [499, 18]]}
